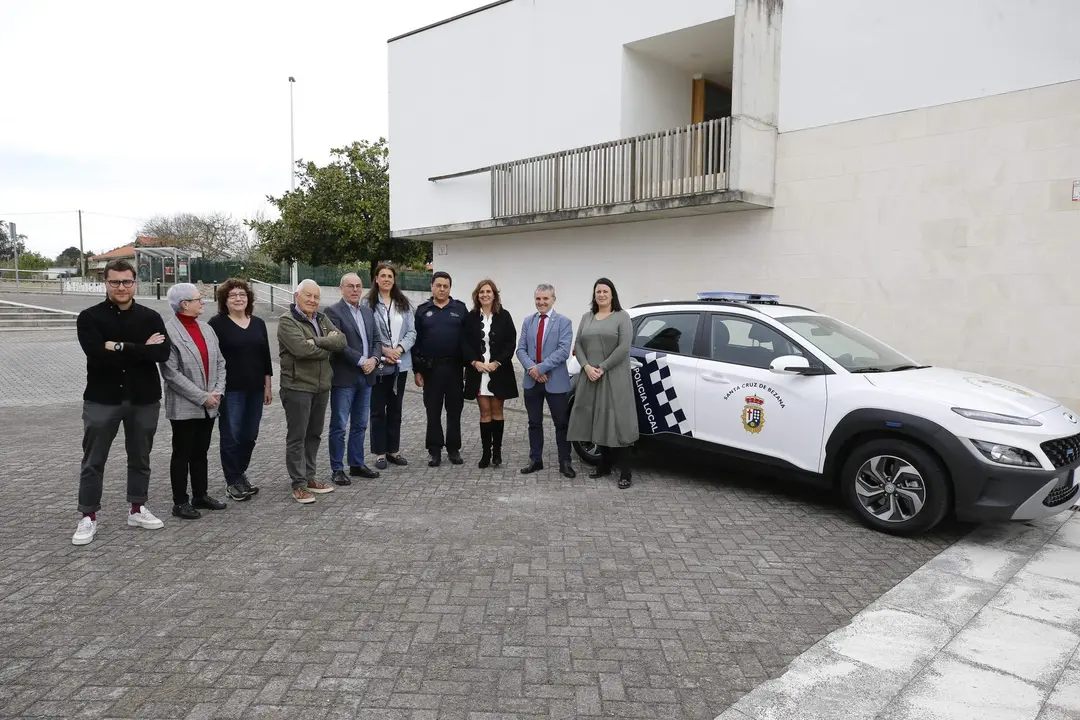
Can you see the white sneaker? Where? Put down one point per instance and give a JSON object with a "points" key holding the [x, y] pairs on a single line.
{"points": [[84, 534], [145, 519]]}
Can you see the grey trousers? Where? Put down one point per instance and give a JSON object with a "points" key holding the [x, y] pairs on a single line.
{"points": [[100, 425], [305, 416]]}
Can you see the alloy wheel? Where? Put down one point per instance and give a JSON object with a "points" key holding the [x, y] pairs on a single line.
{"points": [[890, 488]]}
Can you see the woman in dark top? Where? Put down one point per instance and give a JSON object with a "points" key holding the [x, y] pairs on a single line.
{"points": [[489, 372], [248, 369]]}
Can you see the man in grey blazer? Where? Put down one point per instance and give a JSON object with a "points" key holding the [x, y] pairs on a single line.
{"points": [[354, 374], [543, 349]]}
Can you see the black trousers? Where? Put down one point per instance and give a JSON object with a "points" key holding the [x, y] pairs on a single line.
{"points": [[190, 444], [387, 396], [100, 425], [617, 458], [558, 404], [444, 385]]}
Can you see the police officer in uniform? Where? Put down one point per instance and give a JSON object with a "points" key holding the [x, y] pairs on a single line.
{"points": [[439, 366]]}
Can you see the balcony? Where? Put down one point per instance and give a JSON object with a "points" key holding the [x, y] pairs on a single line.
{"points": [[678, 163], [676, 172]]}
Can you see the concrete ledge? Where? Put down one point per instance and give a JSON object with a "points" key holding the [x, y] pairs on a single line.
{"points": [[700, 204], [63, 323], [38, 307]]}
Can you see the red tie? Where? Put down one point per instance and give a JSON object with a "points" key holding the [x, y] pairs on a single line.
{"points": [[540, 339]]}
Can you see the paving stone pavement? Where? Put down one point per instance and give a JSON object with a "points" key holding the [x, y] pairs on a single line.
{"points": [[990, 628], [428, 594], [40, 367]]}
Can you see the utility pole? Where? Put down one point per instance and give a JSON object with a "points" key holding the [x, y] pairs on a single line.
{"points": [[293, 275], [82, 255], [14, 235], [292, 138]]}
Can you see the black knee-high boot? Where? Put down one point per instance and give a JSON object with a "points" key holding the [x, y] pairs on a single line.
{"points": [[496, 442], [485, 444], [604, 468]]}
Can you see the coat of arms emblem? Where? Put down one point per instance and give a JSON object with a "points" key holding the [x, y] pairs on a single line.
{"points": [[753, 414]]}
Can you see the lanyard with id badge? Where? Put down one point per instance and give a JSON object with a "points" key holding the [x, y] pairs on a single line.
{"points": [[382, 312]]}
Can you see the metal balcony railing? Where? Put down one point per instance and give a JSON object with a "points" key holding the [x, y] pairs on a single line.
{"points": [[671, 163]]}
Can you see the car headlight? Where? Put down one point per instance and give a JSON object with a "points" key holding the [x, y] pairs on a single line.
{"points": [[984, 416], [1006, 454]]}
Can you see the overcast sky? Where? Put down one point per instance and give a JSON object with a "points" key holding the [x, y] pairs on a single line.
{"points": [[129, 109]]}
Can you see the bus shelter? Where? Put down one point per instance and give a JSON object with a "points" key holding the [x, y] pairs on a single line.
{"points": [[167, 265]]}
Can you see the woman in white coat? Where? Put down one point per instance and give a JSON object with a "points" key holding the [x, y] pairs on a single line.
{"points": [[194, 378]]}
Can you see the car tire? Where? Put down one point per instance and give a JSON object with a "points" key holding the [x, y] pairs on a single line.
{"points": [[588, 452], [896, 487]]}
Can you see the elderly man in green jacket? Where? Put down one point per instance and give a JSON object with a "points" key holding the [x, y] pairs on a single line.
{"points": [[306, 340]]}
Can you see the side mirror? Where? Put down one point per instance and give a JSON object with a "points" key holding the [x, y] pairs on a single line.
{"points": [[793, 365], [573, 367]]}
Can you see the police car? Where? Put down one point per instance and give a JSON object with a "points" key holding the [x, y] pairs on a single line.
{"points": [[905, 444]]}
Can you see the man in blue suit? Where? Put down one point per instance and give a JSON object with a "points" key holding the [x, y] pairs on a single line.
{"points": [[354, 375], [543, 349]]}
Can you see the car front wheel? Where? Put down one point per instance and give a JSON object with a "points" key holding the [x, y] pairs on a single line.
{"points": [[587, 451], [896, 487]]}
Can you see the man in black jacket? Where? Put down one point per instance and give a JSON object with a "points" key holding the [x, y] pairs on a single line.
{"points": [[123, 342], [439, 365]]}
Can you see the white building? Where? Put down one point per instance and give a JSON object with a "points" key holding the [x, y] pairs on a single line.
{"points": [[913, 168]]}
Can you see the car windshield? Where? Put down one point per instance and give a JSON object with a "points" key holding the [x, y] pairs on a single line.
{"points": [[854, 350]]}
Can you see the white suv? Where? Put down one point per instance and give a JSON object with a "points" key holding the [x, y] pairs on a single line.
{"points": [[904, 443]]}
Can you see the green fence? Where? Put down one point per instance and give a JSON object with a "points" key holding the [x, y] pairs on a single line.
{"points": [[415, 280], [218, 271]]}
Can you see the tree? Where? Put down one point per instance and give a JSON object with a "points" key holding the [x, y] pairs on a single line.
{"points": [[33, 261], [72, 258], [215, 236], [27, 261], [7, 246], [339, 213], [69, 258]]}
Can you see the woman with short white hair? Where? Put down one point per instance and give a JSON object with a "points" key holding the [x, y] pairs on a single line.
{"points": [[194, 378]]}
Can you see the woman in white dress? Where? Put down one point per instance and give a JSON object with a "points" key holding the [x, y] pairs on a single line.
{"points": [[489, 372]]}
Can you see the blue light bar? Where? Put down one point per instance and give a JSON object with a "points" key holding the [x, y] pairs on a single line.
{"points": [[725, 296]]}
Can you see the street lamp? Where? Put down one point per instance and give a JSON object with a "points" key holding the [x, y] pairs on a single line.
{"points": [[293, 275]]}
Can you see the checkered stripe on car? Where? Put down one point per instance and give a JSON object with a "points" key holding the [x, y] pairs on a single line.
{"points": [[655, 367]]}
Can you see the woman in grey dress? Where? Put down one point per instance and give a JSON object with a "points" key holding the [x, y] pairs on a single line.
{"points": [[604, 407]]}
